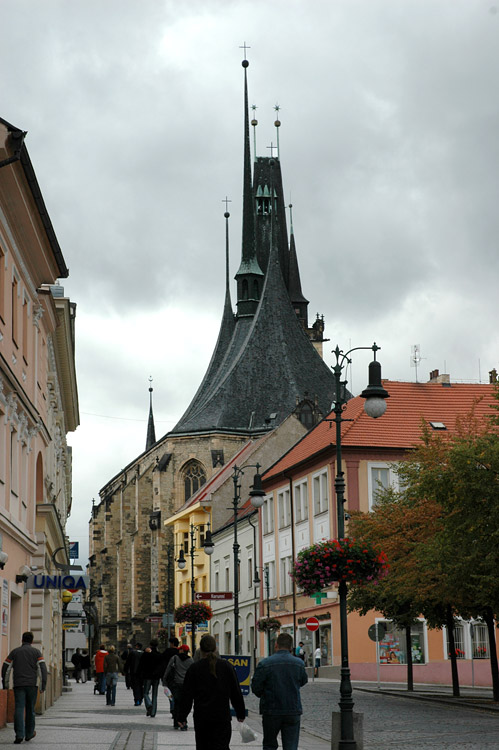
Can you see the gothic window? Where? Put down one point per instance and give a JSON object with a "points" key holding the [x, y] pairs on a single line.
{"points": [[256, 293], [194, 478], [306, 415], [245, 289]]}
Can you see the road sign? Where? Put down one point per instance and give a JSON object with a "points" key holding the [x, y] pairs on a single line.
{"points": [[154, 618], [312, 624], [216, 595], [377, 632]]}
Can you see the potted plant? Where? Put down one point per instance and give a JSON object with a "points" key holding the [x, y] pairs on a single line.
{"points": [[268, 624], [195, 613], [326, 562]]}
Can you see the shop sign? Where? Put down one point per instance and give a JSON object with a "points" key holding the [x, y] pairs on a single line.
{"points": [[46, 582], [242, 665]]}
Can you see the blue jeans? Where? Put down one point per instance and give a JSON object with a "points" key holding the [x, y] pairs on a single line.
{"points": [[25, 701], [151, 701], [101, 682], [111, 682], [289, 727]]}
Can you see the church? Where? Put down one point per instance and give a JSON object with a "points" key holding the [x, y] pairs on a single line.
{"points": [[266, 366]]}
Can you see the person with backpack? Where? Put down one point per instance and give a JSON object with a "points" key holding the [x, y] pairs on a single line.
{"points": [[174, 678]]}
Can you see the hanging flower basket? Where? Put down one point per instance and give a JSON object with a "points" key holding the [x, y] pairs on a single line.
{"points": [[196, 612], [322, 564], [267, 624]]}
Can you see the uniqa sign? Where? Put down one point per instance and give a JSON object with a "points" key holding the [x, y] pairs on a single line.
{"points": [[72, 583]]}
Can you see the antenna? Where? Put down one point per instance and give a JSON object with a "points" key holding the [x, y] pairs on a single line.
{"points": [[416, 357]]}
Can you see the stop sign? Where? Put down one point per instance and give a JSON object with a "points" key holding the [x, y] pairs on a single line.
{"points": [[312, 624]]}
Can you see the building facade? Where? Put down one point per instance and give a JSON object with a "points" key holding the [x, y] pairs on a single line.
{"points": [[38, 407], [300, 510]]}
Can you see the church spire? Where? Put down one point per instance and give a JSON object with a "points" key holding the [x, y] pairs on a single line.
{"points": [[299, 302], [151, 433], [249, 276]]}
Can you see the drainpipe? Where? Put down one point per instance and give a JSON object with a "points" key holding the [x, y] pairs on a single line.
{"points": [[293, 553]]}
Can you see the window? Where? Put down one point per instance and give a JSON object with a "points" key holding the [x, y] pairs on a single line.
{"points": [[458, 641], [285, 580], [227, 574], [25, 329], [270, 567], [2, 284], [392, 649], [268, 515], [380, 477], [250, 567], [480, 641], [300, 491], [320, 493], [194, 478], [284, 509], [186, 542], [217, 579], [15, 322]]}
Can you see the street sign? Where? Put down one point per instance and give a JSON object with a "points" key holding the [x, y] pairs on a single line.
{"points": [[154, 618], [214, 595], [377, 632], [312, 624]]}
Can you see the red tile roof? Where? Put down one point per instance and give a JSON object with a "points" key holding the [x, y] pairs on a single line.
{"points": [[400, 426]]}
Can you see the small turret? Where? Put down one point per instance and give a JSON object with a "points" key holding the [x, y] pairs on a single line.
{"points": [[151, 432]]}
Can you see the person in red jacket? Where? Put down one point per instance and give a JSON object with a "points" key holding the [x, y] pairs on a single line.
{"points": [[99, 669]]}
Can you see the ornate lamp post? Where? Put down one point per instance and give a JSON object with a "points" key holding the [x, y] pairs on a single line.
{"points": [[375, 406], [257, 495], [181, 562]]}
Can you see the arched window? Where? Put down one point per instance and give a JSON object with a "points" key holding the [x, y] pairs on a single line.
{"points": [[39, 479], [245, 289], [256, 293], [194, 478]]}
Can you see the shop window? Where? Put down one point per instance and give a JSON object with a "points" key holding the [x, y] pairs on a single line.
{"points": [[325, 643], [392, 649]]}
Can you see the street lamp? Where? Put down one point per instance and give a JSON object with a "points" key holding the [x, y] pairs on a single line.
{"points": [[181, 562], [375, 406], [257, 496], [67, 596]]}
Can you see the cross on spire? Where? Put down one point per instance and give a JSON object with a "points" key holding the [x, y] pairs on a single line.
{"points": [[272, 147], [244, 47], [226, 201]]}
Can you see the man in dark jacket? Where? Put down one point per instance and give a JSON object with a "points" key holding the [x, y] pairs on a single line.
{"points": [[25, 662], [151, 669], [277, 681], [132, 670]]}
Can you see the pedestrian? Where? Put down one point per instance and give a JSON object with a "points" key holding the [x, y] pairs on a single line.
{"points": [[168, 653], [113, 665], [277, 681], [317, 660], [76, 660], [25, 661], [99, 669], [212, 686], [132, 670], [151, 669], [85, 665], [124, 656], [300, 651], [174, 677]]}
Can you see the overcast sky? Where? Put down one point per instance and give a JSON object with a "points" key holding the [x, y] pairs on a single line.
{"points": [[389, 149]]}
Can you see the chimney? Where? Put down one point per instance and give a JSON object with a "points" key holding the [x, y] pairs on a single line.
{"points": [[435, 377], [493, 376]]}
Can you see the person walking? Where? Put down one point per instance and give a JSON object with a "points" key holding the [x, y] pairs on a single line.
{"points": [[277, 681], [151, 669], [76, 660], [124, 656], [212, 686], [113, 665], [25, 661], [85, 665], [317, 660], [99, 669], [300, 651], [132, 670], [174, 677], [168, 653]]}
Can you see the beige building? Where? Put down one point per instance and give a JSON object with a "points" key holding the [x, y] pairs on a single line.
{"points": [[38, 406]]}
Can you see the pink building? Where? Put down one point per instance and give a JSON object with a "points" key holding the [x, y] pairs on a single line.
{"points": [[38, 406]]}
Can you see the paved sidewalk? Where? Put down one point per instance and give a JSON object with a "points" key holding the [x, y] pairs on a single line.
{"points": [[80, 720]]}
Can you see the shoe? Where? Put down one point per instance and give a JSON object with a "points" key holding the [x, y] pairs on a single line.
{"points": [[30, 738], [184, 728], [18, 740], [148, 710]]}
